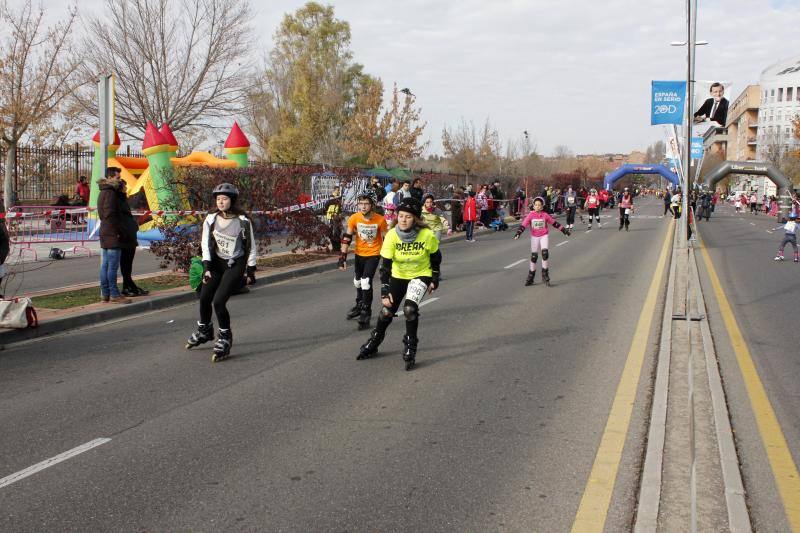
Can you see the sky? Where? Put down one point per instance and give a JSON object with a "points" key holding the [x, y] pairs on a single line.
{"points": [[570, 72]]}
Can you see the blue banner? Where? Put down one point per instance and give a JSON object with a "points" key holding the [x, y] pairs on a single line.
{"points": [[697, 147], [668, 100]]}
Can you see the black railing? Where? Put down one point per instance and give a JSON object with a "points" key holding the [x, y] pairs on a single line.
{"points": [[43, 174]]}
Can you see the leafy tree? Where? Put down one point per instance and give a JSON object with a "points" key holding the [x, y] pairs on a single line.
{"points": [[471, 151], [381, 136], [301, 101]]}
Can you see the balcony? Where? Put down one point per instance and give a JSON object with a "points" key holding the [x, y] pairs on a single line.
{"points": [[754, 125], [752, 141]]}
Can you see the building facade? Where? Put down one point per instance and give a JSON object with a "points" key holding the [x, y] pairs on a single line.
{"points": [[743, 125]]}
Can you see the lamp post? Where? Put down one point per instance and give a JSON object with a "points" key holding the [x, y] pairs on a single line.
{"points": [[690, 43]]}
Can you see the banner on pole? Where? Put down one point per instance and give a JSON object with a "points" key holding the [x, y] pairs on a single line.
{"points": [[697, 147], [667, 102]]}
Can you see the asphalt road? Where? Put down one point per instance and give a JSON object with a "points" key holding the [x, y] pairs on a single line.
{"points": [[765, 298], [495, 430]]}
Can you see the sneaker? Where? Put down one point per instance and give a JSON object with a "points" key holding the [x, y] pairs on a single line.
{"points": [[119, 300], [779, 258], [104, 299]]}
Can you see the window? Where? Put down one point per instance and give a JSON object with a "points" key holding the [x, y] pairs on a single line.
{"points": [[779, 115], [789, 94], [797, 94], [780, 94], [788, 131]]}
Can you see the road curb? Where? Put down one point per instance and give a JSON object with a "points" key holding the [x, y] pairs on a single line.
{"points": [[650, 488], [82, 319]]}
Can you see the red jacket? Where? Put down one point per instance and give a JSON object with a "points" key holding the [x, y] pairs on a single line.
{"points": [[470, 210]]}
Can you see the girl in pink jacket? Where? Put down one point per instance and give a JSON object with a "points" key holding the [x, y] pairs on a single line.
{"points": [[537, 221]]}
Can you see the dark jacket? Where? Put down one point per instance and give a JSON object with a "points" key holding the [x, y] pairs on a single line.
{"points": [[720, 115], [117, 226], [417, 193]]}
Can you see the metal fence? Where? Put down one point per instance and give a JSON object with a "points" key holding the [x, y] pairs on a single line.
{"points": [[43, 174]]}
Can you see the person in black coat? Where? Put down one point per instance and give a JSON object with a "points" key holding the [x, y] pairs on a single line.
{"points": [[715, 108]]}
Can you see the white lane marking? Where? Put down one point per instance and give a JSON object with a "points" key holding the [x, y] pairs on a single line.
{"points": [[38, 467], [515, 263], [424, 303], [752, 223], [589, 230], [561, 243]]}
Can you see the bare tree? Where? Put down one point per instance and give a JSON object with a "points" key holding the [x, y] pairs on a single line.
{"points": [[471, 151], [37, 72], [183, 63]]}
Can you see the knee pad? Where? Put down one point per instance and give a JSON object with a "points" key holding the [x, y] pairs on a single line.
{"points": [[410, 311], [545, 254], [385, 313], [357, 283], [365, 284], [534, 257]]}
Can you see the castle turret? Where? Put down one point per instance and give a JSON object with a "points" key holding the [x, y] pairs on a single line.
{"points": [[237, 146], [166, 132], [158, 151]]}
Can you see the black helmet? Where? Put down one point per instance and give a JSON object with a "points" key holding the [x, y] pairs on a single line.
{"points": [[368, 195], [410, 205], [228, 189]]}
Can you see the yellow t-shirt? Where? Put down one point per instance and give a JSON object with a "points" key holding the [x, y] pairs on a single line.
{"points": [[367, 234], [410, 260]]}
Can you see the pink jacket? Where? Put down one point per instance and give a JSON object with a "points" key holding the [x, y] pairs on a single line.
{"points": [[538, 221]]}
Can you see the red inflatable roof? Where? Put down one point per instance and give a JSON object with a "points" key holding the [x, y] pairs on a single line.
{"points": [[152, 137], [116, 142], [236, 138], [168, 135]]}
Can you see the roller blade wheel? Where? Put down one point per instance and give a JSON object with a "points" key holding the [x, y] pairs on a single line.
{"points": [[364, 317], [546, 276], [370, 348], [530, 279], [410, 351], [203, 335], [354, 312], [222, 348]]}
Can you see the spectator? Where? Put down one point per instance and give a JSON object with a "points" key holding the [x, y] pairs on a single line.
{"points": [[114, 233], [403, 192], [416, 190], [333, 215], [753, 203], [82, 192], [667, 200], [380, 192], [390, 186], [482, 203], [457, 208], [390, 198], [129, 288], [519, 202], [495, 194], [470, 215]]}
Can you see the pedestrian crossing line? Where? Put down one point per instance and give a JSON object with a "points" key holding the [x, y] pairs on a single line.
{"points": [[561, 243], [593, 509], [784, 469], [47, 463], [423, 304], [515, 263]]}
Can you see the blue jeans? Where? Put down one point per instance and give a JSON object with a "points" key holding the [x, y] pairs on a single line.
{"points": [[469, 226], [108, 271]]}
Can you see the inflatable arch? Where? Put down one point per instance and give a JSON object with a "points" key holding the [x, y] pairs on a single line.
{"points": [[754, 169], [624, 170]]}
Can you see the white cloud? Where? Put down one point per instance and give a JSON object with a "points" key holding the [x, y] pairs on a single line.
{"points": [[570, 72]]}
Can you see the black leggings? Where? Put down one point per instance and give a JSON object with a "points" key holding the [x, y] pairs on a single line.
{"points": [[365, 268], [624, 218], [571, 215], [398, 288], [215, 292], [126, 267]]}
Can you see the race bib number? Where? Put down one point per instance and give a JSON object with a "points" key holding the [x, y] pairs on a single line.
{"points": [[539, 224], [416, 290], [591, 202], [627, 210], [367, 232], [570, 200], [225, 244]]}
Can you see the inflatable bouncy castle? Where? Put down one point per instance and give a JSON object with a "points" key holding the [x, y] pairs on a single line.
{"points": [[152, 176]]}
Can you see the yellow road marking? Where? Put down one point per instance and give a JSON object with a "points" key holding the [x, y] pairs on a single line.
{"points": [[596, 498], [784, 469]]}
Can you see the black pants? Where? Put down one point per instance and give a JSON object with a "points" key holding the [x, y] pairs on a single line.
{"points": [[365, 268], [398, 288], [666, 208], [624, 219], [571, 215], [217, 290], [126, 267]]}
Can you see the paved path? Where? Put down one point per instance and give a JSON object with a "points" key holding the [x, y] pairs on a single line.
{"points": [[497, 429]]}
